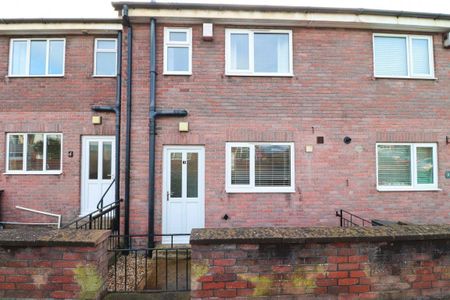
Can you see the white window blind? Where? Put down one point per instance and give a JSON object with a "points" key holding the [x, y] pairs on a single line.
{"points": [[240, 165], [260, 167], [403, 56], [272, 165], [406, 166], [390, 56], [394, 165], [420, 56]]}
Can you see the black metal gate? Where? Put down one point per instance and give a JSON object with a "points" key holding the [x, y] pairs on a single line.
{"points": [[164, 268]]}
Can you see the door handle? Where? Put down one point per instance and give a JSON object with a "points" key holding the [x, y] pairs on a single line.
{"points": [[168, 195]]}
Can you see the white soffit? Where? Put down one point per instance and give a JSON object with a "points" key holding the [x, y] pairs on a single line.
{"points": [[342, 20], [31, 28]]}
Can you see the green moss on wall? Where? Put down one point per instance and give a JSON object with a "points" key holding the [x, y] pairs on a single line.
{"points": [[89, 280]]}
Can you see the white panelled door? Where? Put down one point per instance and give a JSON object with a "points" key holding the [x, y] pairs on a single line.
{"points": [[97, 171], [183, 191]]}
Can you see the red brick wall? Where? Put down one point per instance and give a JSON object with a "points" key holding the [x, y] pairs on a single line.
{"points": [[351, 270], [332, 94], [51, 105], [56, 272]]}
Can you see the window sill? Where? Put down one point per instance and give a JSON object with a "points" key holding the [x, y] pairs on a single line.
{"points": [[231, 74], [381, 189], [406, 77], [35, 76], [33, 173], [177, 74], [104, 76], [262, 190]]}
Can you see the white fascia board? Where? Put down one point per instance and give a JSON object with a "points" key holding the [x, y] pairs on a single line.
{"points": [[341, 20], [58, 28]]}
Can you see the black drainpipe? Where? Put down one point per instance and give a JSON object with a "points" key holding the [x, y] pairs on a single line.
{"points": [[152, 133], [127, 23], [117, 110]]}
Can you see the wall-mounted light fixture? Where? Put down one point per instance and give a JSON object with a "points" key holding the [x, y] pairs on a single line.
{"points": [[96, 120]]}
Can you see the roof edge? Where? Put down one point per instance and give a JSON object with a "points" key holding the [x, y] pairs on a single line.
{"points": [[271, 8], [59, 20]]}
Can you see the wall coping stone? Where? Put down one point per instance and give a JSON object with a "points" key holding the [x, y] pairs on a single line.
{"points": [[44, 237], [301, 235]]}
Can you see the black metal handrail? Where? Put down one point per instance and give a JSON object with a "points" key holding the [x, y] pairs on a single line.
{"points": [[347, 219], [100, 203], [165, 268], [105, 218]]}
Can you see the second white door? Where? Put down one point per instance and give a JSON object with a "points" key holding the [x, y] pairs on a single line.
{"points": [[97, 172], [183, 192]]}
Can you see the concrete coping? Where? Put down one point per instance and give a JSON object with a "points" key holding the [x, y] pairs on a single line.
{"points": [[43, 237], [301, 235]]}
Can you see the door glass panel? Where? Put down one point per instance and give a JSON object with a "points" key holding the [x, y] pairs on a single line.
{"points": [[35, 152], [176, 164], [107, 147], [93, 160], [192, 175]]}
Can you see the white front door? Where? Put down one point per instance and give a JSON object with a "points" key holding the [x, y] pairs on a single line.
{"points": [[183, 191], [97, 172]]}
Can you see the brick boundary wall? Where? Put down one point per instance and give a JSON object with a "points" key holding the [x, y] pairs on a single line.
{"points": [[399, 262], [56, 264]]}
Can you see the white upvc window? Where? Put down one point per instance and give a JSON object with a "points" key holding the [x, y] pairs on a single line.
{"points": [[34, 153], [403, 56], [407, 166], [37, 57], [260, 168], [178, 51], [105, 57], [258, 52]]}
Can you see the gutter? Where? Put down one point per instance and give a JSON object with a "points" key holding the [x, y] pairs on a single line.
{"points": [[153, 115], [272, 8], [59, 20]]}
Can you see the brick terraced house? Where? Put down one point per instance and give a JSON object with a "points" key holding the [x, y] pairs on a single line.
{"points": [[231, 116]]}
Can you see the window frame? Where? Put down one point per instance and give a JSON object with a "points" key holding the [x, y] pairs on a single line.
{"points": [[251, 188], [169, 44], [28, 57], [409, 55], [25, 152], [251, 59], [414, 185], [96, 50]]}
